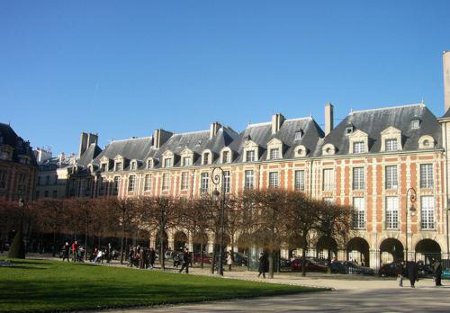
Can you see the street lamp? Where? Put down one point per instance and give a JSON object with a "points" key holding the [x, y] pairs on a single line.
{"points": [[217, 176], [412, 198]]}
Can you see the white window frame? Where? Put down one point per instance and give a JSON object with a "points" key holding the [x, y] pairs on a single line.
{"points": [[274, 181], [328, 179], [249, 179], [427, 213], [359, 218], [358, 178], [299, 180], [226, 181], [204, 182], [131, 183], [391, 144], [392, 213], [426, 175], [147, 182], [390, 177], [165, 182], [184, 181]]}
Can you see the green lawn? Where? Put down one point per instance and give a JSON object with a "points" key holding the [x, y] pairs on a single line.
{"points": [[45, 286]]}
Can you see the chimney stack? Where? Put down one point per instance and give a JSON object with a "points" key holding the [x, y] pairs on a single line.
{"points": [[85, 141], [329, 119], [214, 129], [277, 121], [160, 136], [446, 65]]}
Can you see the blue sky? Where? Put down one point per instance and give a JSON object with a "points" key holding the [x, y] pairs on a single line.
{"points": [[125, 68]]}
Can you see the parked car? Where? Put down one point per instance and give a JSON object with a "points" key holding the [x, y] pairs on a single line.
{"points": [[240, 259], [207, 258], [348, 267], [445, 273], [310, 265], [424, 270], [390, 269]]}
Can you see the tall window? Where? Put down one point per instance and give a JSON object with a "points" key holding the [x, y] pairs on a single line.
{"points": [[391, 177], [226, 181], [299, 180], [328, 179], [103, 167], [167, 162], [427, 212], [165, 182], [274, 154], [186, 161], [248, 183], [426, 175], [119, 166], [131, 183], [133, 166], [250, 155], [225, 156], [358, 147], [205, 158], [390, 145], [391, 212], [204, 184], [184, 180], [116, 185], [273, 180], [358, 178], [359, 218], [148, 182]]}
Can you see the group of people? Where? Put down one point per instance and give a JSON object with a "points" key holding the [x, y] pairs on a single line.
{"points": [[72, 251], [410, 270], [141, 257]]}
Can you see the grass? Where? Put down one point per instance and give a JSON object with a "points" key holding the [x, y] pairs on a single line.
{"points": [[49, 286]]}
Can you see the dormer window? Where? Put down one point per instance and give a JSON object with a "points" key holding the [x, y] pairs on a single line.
{"points": [[426, 142], [358, 147], [391, 145], [300, 151], [205, 160], [104, 167], [349, 129], [225, 156], [298, 134], [186, 161], [328, 149], [415, 123], [149, 163], [119, 166], [167, 162], [133, 165], [250, 156], [274, 153]]}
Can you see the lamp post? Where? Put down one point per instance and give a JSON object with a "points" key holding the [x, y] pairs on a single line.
{"points": [[217, 176], [411, 192]]}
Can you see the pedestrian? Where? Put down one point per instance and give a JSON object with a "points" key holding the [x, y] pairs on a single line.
{"points": [[66, 251], [263, 264], [401, 271], [230, 260], [411, 267], [74, 250], [437, 272], [152, 257], [185, 261]]}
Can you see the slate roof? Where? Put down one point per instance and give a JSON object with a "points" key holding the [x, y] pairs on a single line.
{"points": [[261, 134], [91, 152], [20, 147], [373, 122]]}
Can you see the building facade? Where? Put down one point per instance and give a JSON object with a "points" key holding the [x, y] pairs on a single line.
{"points": [[391, 164]]}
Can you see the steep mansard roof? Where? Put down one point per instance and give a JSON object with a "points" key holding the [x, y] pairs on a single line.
{"points": [[20, 147], [373, 122]]}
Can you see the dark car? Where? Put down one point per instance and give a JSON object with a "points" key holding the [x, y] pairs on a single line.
{"points": [[310, 265], [348, 267], [424, 270], [390, 269], [240, 259], [207, 258]]}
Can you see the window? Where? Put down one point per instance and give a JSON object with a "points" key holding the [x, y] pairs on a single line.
{"points": [[3, 176], [205, 158], [186, 161], [184, 181], [250, 155], [119, 166], [149, 163], [131, 183], [298, 135], [273, 180], [248, 183], [167, 162], [165, 182], [226, 181], [358, 147], [348, 130], [103, 167], [55, 194], [328, 179], [415, 124], [274, 154], [390, 145], [46, 194], [204, 182], [391, 177], [359, 218], [148, 182], [426, 175], [133, 166], [299, 182], [427, 212], [225, 156], [47, 180], [358, 178], [391, 212], [116, 185]]}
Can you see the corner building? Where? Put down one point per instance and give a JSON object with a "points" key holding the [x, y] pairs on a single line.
{"points": [[390, 164]]}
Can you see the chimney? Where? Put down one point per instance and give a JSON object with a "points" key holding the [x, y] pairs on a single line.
{"points": [[446, 63], [329, 119], [83, 144], [214, 129], [160, 136], [92, 139], [277, 121]]}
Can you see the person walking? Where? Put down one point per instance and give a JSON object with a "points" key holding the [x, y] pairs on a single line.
{"points": [[230, 260], [437, 266], [185, 261], [411, 267], [66, 251], [401, 272], [262, 265]]}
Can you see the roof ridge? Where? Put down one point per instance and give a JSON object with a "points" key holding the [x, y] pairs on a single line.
{"points": [[193, 132], [299, 119], [390, 108], [136, 138], [258, 124]]}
